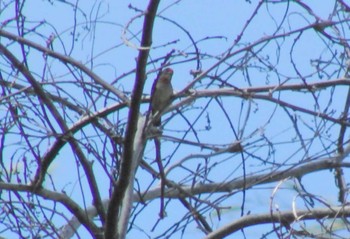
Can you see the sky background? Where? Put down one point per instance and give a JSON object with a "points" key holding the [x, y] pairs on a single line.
{"points": [[98, 35]]}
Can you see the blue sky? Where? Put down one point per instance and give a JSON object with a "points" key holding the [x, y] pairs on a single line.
{"points": [[221, 22]]}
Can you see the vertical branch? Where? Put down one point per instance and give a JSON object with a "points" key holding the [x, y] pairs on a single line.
{"points": [[126, 162]]}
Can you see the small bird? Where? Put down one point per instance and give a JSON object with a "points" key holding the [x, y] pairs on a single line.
{"points": [[161, 94]]}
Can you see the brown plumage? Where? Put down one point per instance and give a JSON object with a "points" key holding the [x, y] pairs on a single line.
{"points": [[162, 91]]}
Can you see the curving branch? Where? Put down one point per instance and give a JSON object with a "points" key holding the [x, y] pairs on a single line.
{"points": [[249, 181], [66, 59], [65, 135], [73, 207], [284, 217]]}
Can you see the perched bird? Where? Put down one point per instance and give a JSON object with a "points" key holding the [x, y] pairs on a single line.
{"points": [[161, 94]]}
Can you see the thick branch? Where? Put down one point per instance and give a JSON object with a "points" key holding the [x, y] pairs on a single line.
{"points": [[126, 162], [285, 218], [74, 208], [238, 183], [251, 93]]}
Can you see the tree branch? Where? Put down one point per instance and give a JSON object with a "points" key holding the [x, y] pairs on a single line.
{"points": [[126, 161], [66, 59], [64, 136], [74, 208], [284, 218], [238, 183]]}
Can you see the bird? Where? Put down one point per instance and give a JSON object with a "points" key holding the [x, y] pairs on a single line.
{"points": [[162, 92]]}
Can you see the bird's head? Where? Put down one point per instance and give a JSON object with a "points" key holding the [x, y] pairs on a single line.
{"points": [[167, 73]]}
